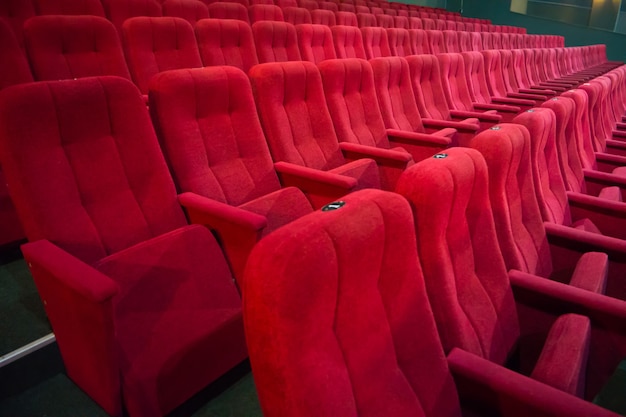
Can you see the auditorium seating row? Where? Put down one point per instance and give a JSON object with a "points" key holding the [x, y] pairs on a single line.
{"points": [[89, 175]]}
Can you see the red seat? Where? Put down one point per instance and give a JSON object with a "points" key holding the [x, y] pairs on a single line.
{"points": [[226, 42], [366, 20], [348, 42], [15, 13], [142, 304], [451, 41], [275, 41], [190, 10], [375, 42], [301, 136], [297, 15], [155, 44], [479, 307], [227, 10], [384, 21], [363, 295], [62, 47], [308, 4], [117, 11], [69, 7], [323, 17], [262, 12], [399, 42], [346, 19], [235, 190], [315, 43]]}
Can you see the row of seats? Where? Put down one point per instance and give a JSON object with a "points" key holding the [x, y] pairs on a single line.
{"points": [[106, 208]]}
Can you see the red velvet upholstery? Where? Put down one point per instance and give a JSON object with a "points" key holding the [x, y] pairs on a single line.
{"points": [[328, 5], [415, 23], [209, 115], [15, 69], [428, 24], [351, 97], [348, 42], [286, 3], [275, 41], [226, 42], [400, 113], [190, 10], [262, 12], [431, 99], [375, 42], [495, 77], [15, 13], [435, 41], [62, 47], [308, 4], [299, 130], [142, 305], [346, 19], [324, 17], [399, 42], [472, 295], [119, 10], [451, 41], [155, 44], [297, 15], [366, 20], [227, 10], [69, 7], [384, 21], [315, 43], [401, 22], [345, 7]]}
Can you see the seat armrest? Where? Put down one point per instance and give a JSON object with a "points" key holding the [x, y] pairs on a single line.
{"points": [[595, 181], [489, 116], [503, 108], [616, 147], [485, 384], [353, 151], [540, 91], [528, 96], [78, 300], [513, 101], [608, 162], [421, 145], [608, 216], [469, 125], [552, 86]]}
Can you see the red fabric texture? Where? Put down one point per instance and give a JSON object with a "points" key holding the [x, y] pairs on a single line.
{"points": [[375, 42], [226, 42], [366, 20], [155, 44], [190, 10], [62, 47], [451, 41], [357, 270], [315, 43], [275, 41], [117, 11], [384, 21], [401, 22], [15, 13], [297, 15], [297, 123], [348, 42], [325, 17], [346, 19], [15, 69], [227, 10], [351, 98], [99, 204], [214, 145], [69, 7], [261, 12], [399, 42], [435, 41]]}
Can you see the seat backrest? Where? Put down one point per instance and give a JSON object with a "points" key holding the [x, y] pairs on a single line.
{"points": [[494, 73], [275, 41], [346, 19], [15, 69], [352, 102], [593, 94], [375, 42], [328, 5], [286, 3], [415, 23], [505, 39], [475, 75], [346, 7], [395, 94], [519, 68], [226, 42], [399, 42], [269, 2], [464, 41], [15, 13], [296, 15], [348, 42], [487, 38], [427, 87], [454, 82], [366, 20], [401, 22], [466, 278], [62, 47], [519, 225], [508, 70], [308, 4], [566, 142], [211, 135], [84, 166], [428, 24], [384, 21], [119, 10], [190, 10], [451, 41], [155, 44], [549, 185], [227, 10], [324, 17], [435, 41], [69, 7], [496, 40], [419, 41], [295, 117], [361, 8], [313, 266], [261, 12], [440, 24], [315, 43]]}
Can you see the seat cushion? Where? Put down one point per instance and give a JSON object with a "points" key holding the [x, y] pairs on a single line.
{"points": [[280, 207], [611, 193], [563, 360], [591, 272], [365, 171], [586, 225], [178, 318]]}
